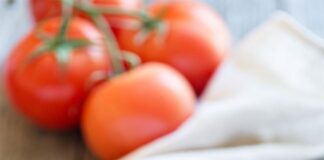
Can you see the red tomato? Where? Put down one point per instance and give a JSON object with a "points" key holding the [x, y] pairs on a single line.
{"points": [[43, 9], [130, 5], [196, 40], [136, 108], [44, 92]]}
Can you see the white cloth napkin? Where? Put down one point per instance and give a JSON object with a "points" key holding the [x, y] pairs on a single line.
{"points": [[266, 103]]}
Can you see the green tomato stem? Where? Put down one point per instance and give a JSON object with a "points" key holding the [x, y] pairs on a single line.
{"points": [[111, 43], [67, 7], [110, 40], [122, 12]]}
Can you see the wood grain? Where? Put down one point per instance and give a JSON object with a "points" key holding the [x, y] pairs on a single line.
{"points": [[19, 140]]}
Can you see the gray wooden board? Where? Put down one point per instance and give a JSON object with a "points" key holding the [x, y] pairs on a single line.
{"points": [[19, 140]]}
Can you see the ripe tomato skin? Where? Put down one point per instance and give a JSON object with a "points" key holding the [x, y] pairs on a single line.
{"points": [[130, 5], [195, 44], [43, 9], [193, 11], [136, 108], [48, 95]]}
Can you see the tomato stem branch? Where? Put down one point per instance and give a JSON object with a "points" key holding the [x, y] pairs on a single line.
{"points": [[110, 40], [121, 12], [67, 13], [111, 43], [96, 13]]}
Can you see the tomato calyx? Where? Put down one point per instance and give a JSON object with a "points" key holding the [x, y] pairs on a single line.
{"points": [[150, 24], [153, 22], [61, 46], [62, 49]]}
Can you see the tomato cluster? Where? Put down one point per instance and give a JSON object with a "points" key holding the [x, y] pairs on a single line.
{"points": [[62, 79]]}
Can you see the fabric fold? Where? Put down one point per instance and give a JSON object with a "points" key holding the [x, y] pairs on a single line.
{"points": [[266, 102]]}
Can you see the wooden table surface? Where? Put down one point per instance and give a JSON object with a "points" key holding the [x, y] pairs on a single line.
{"points": [[19, 140]]}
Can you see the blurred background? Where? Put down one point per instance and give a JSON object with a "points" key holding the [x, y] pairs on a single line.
{"points": [[18, 139], [244, 15]]}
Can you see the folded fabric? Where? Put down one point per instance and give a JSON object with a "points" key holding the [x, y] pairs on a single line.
{"points": [[265, 103]]}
